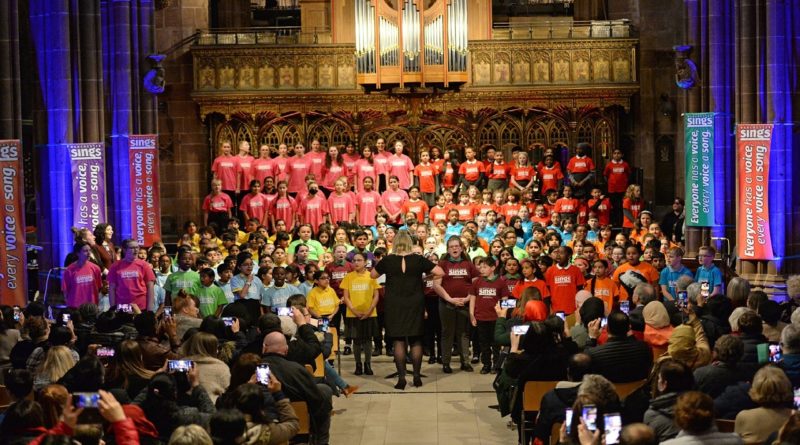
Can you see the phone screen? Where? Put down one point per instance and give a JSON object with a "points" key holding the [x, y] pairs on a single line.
{"points": [[324, 322], [775, 353], [86, 399], [568, 419], [603, 322], [228, 321], [168, 311], [65, 318], [613, 427], [521, 329], [562, 315], [797, 398], [262, 374], [179, 365], [704, 289], [105, 352], [284, 312], [125, 308], [508, 304], [625, 306], [589, 415]]}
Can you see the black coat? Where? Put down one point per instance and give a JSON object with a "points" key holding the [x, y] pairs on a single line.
{"points": [[298, 384], [621, 359]]}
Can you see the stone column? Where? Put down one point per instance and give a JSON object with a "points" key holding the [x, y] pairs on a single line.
{"points": [[50, 26], [10, 106]]}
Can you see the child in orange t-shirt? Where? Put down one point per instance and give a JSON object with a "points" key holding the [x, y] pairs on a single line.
{"points": [[602, 286]]}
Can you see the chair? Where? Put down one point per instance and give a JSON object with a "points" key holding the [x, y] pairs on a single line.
{"points": [[5, 399], [301, 410], [335, 349], [625, 389], [725, 426], [532, 395], [571, 320], [320, 362], [555, 432]]}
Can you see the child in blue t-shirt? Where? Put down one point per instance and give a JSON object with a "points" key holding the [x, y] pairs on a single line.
{"points": [[708, 272], [670, 274]]}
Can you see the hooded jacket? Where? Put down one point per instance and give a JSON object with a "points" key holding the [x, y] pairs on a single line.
{"points": [[660, 416]]}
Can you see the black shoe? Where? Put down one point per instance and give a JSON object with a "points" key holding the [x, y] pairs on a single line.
{"points": [[439, 360], [467, 367], [368, 369], [475, 359], [486, 370], [417, 381], [401, 384], [377, 351], [359, 370], [432, 360], [447, 369], [408, 359], [389, 352], [426, 352], [347, 350]]}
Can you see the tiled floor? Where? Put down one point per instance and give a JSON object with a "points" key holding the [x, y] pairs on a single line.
{"points": [[447, 409]]}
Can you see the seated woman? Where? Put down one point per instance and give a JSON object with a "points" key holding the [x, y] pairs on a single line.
{"points": [[772, 391], [674, 378], [694, 415]]}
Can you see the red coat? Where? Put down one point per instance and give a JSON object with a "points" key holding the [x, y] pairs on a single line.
{"points": [[124, 432]]}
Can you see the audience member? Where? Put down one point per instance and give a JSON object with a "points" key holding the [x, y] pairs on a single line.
{"points": [[773, 393], [694, 415], [623, 358], [723, 371]]}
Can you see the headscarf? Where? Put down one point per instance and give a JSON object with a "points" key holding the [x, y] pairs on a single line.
{"points": [[655, 315], [682, 346], [535, 311], [592, 309]]}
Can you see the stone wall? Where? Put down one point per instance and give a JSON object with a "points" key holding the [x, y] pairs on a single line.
{"points": [[185, 158], [649, 130]]}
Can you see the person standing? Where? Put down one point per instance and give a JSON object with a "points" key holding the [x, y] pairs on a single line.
{"points": [[244, 170], [404, 304], [131, 280], [617, 174], [82, 279], [224, 169], [580, 170], [459, 273]]}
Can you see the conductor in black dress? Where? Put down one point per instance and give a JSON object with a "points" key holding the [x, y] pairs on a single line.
{"points": [[404, 302]]}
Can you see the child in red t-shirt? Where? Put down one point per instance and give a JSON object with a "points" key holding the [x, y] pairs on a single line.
{"points": [[439, 211], [511, 206], [465, 210], [564, 281], [425, 176], [217, 206], [486, 292], [600, 206], [471, 170], [567, 206]]}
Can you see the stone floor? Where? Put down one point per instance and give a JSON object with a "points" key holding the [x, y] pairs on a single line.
{"points": [[447, 409]]}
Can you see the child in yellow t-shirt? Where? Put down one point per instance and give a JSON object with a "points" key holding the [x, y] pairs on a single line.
{"points": [[322, 299], [360, 296]]}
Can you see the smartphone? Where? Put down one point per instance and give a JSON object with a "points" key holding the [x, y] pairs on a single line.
{"points": [[613, 427], [324, 323], [683, 299], [625, 306], [262, 373], [284, 312], [562, 315], [704, 289], [125, 308], [228, 321], [17, 311], [508, 303], [105, 352], [797, 398], [65, 318], [520, 329], [775, 353], [589, 416], [179, 365], [568, 420], [168, 311], [85, 399], [603, 322]]}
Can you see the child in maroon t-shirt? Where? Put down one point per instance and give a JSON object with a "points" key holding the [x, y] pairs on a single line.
{"points": [[487, 290]]}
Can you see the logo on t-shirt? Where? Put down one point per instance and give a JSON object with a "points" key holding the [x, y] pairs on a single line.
{"points": [[487, 292], [457, 272], [356, 287], [562, 279]]}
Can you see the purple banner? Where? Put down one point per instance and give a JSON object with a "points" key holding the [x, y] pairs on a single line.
{"points": [[88, 184]]}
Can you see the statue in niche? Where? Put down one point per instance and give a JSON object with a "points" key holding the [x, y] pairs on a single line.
{"points": [[286, 76], [600, 69], [622, 71], [561, 70], [305, 76], [541, 71], [346, 75], [581, 70], [326, 76], [266, 77], [522, 72], [501, 73], [207, 76], [226, 76], [247, 79], [685, 68], [481, 72]]}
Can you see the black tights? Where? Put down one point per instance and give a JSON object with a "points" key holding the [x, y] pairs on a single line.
{"points": [[400, 347]]}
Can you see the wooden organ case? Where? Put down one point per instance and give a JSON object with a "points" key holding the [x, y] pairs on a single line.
{"points": [[411, 43]]}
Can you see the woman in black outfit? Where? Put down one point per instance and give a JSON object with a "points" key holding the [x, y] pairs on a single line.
{"points": [[404, 305]]}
